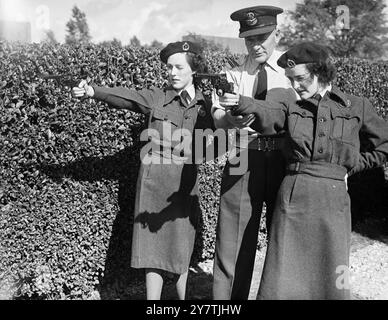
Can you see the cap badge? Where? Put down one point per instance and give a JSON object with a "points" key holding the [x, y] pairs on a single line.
{"points": [[185, 47], [251, 19], [291, 63]]}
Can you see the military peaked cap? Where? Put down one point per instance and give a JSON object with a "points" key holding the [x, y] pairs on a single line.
{"points": [[306, 52], [180, 46], [256, 20]]}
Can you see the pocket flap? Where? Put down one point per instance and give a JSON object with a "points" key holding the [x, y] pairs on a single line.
{"points": [[344, 113], [167, 115], [304, 113]]}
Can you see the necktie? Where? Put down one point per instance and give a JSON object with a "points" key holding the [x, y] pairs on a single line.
{"points": [[261, 90], [185, 97], [316, 97]]}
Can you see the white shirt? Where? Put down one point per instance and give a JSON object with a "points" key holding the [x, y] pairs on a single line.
{"points": [[190, 90], [244, 78], [326, 89]]}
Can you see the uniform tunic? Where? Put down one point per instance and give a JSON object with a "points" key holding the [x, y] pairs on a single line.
{"points": [[167, 206], [308, 250]]}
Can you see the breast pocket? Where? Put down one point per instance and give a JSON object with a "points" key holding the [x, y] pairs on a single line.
{"points": [[301, 124], [346, 125], [165, 122]]}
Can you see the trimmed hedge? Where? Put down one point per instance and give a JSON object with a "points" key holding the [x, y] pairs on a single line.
{"points": [[68, 168]]}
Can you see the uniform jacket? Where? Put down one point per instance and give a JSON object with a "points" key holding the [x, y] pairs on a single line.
{"points": [[165, 109], [331, 131], [167, 203]]}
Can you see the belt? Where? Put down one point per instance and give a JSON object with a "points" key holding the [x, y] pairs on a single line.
{"points": [[266, 143], [318, 169]]}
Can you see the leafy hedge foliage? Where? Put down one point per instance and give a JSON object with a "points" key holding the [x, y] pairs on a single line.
{"points": [[68, 168]]}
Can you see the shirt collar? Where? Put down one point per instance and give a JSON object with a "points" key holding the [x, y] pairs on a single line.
{"points": [[336, 92], [326, 89], [273, 59], [190, 90], [271, 62], [171, 93]]}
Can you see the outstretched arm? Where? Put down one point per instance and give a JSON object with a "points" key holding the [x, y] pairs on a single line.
{"points": [[139, 101]]}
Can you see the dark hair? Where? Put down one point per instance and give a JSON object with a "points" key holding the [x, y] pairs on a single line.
{"points": [[325, 71], [197, 62]]}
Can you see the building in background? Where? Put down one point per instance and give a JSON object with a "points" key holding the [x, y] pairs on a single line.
{"points": [[235, 45], [15, 31]]}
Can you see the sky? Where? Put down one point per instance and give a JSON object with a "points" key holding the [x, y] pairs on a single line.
{"points": [[163, 20]]}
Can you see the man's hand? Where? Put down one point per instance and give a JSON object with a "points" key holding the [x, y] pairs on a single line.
{"points": [[239, 121], [230, 102], [82, 90], [233, 102]]}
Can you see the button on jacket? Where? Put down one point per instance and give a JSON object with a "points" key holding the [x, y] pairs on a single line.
{"points": [[309, 244], [167, 205]]}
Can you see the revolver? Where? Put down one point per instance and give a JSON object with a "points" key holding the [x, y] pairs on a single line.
{"points": [[218, 81]]}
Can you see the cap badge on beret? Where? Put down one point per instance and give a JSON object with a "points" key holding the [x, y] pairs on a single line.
{"points": [[251, 19], [185, 47], [291, 63]]}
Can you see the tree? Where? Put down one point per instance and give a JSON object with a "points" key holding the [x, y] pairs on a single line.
{"points": [[156, 44], [361, 33], [77, 28], [134, 42], [109, 43], [50, 37]]}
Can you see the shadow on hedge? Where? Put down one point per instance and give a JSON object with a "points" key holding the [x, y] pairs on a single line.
{"points": [[122, 167], [120, 281]]}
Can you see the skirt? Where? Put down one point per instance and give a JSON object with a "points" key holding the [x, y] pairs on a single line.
{"points": [[309, 244], [166, 217]]}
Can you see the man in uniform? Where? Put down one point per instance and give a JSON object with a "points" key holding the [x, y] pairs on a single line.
{"points": [[242, 195]]}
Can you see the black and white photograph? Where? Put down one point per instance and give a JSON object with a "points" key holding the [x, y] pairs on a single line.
{"points": [[209, 151]]}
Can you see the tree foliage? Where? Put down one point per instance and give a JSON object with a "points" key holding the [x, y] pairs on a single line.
{"points": [[77, 28], [156, 44], [323, 21], [50, 37], [134, 42]]}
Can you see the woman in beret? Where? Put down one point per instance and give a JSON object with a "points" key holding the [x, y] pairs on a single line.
{"points": [[167, 205], [309, 244]]}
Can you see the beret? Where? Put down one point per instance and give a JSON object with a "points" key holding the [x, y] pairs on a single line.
{"points": [[256, 20], [306, 52], [180, 46]]}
